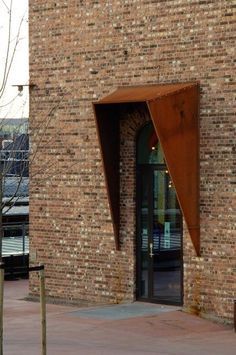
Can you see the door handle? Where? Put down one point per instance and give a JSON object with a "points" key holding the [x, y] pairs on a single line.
{"points": [[151, 250]]}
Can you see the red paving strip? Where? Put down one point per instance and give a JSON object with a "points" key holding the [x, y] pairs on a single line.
{"points": [[170, 333]]}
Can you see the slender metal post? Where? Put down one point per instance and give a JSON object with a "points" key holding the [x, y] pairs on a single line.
{"points": [[23, 234], [23, 251], [235, 315], [43, 311], [1, 306]]}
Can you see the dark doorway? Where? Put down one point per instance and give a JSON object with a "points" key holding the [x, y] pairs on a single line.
{"points": [[159, 225]]}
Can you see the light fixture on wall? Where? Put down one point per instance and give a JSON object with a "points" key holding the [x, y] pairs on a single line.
{"points": [[21, 87]]}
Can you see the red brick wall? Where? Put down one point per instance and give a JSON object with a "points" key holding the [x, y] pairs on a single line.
{"points": [[79, 52]]}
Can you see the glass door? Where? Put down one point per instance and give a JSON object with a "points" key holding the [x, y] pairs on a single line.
{"points": [[159, 225], [143, 241], [159, 231]]}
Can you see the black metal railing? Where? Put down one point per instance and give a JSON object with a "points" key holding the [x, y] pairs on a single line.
{"points": [[15, 249]]}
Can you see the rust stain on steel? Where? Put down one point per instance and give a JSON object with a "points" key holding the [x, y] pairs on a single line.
{"points": [[143, 93], [174, 110], [175, 119]]}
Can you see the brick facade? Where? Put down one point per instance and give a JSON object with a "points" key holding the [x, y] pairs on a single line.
{"points": [[79, 52]]}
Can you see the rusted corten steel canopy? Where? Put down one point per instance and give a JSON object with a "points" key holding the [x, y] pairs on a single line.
{"points": [[174, 111]]}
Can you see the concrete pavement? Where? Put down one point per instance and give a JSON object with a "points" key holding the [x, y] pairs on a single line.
{"points": [[120, 330]]}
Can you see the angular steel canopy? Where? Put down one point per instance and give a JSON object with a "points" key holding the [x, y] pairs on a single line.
{"points": [[174, 111]]}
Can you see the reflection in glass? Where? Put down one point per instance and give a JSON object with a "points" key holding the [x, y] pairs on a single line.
{"points": [[160, 224], [144, 235], [148, 148], [166, 239]]}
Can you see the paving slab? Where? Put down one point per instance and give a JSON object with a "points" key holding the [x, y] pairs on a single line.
{"points": [[137, 328]]}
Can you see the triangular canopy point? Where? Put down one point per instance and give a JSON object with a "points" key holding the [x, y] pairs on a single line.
{"points": [[174, 110], [175, 119]]}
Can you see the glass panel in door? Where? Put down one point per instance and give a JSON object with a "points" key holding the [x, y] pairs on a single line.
{"points": [[166, 243], [144, 234]]}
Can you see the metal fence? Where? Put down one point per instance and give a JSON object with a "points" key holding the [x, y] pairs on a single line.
{"points": [[15, 239], [15, 249]]}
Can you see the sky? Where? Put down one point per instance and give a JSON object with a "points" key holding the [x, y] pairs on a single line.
{"points": [[13, 105]]}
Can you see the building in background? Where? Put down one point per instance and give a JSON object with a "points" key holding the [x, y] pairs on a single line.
{"points": [[139, 200], [14, 159], [15, 219], [13, 127]]}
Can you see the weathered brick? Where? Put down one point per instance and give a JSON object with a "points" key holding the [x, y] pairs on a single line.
{"points": [[79, 52]]}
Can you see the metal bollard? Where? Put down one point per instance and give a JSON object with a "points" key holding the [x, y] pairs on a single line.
{"points": [[235, 315], [40, 269], [43, 310]]}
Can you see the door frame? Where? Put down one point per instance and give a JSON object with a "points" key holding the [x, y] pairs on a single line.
{"points": [[151, 168]]}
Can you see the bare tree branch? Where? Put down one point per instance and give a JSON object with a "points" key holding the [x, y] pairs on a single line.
{"points": [[11, 161], [10, 102], [8, 62], [17, 159], [5, 5], [3, 204], [7, 51]]}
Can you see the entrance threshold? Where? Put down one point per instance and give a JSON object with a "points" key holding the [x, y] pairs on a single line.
{"points": [[125, 311]]}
